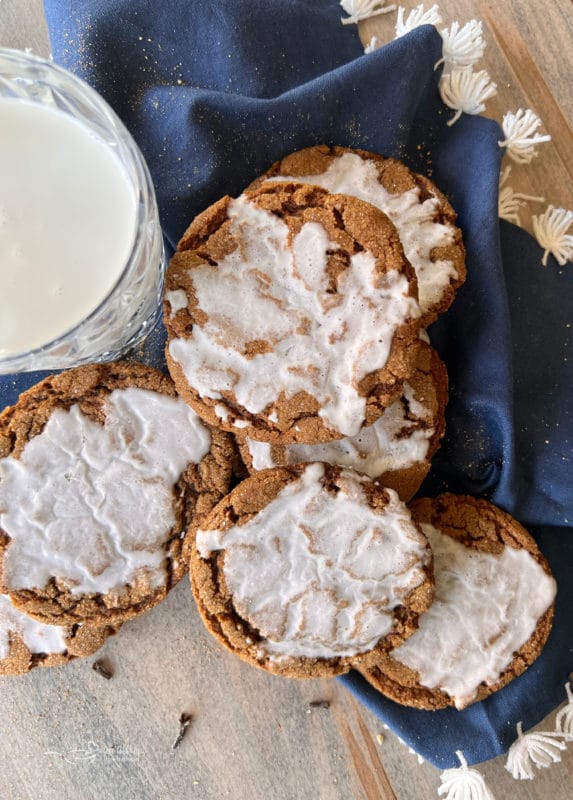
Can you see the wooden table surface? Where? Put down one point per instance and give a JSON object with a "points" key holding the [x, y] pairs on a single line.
{"points": [[67, 733]]}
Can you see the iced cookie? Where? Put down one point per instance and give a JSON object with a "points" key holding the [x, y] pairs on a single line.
{"points": [[26, 643], [292, 314], [491, 614], [102, 470], [423, 217], [307, 570], [396, 450]]}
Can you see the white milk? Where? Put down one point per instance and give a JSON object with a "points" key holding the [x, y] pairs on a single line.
{"points": [[67, 223]]}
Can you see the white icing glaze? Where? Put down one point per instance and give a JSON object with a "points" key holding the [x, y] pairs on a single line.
{"points": [[221, 411], [485, 608], [319, 575], [93, 504], [177, 299], [260, 453], [321, 343], [414, 221], [418, 409], [379, 448], [38, 638]]}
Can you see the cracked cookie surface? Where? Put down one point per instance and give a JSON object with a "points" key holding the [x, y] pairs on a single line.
{"points": [[291, 314], [491, 614], [424, 218], [306, 571], [396, 451], [26, 643], [102, 470]]}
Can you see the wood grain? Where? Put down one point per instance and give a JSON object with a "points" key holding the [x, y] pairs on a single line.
{"points": [[366, 760], [530, 80], [69, 734], [528, 55]]}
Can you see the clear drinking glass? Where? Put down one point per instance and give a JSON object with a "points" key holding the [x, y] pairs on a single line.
{"points": [[132, 307]]}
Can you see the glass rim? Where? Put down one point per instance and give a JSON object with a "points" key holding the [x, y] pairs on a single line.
{"points": [[143, 189]]}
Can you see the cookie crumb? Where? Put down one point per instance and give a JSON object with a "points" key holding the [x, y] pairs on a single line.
{"points": [[184, 722], [380, 738], [103, 668], [317, 704]]}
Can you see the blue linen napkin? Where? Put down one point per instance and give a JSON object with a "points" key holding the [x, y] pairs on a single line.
{"points": [[214, 93]]}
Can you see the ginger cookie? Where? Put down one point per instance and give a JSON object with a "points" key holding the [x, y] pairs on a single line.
{"points": [[424, 218], [307, 570], [396, 450], [26, 643], [102, 470], [291, 314], [491, 614]]}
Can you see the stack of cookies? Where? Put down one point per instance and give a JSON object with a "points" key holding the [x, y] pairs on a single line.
{"points": [[296, 318], [103, 470]]}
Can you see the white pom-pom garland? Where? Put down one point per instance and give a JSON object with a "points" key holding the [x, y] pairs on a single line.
{"points": [[532, 750], [564, 719], [372, 45], [466, 91], [463, 783], [415, 18], [520, 135], [363, 9], [510, 202], [550, 230], [462, 46]]}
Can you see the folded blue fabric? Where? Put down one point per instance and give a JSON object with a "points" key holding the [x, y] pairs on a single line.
{"points": [[214, 93]]}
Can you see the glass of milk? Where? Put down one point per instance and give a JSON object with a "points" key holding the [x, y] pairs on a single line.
{"points": [[81, 250]]}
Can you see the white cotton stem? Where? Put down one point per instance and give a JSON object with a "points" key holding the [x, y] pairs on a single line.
{"points": [[520, 135], [455, 118], [462, 46], [463, 783], [550, 230], [519, 728], [510, 202], [532, 750], [363, 9], [466, 91], [564, 719], [416, 17], [372, 45]]}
